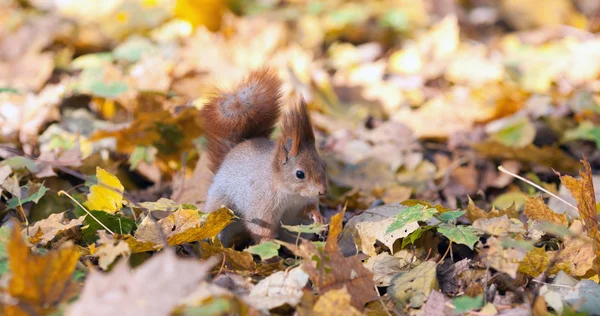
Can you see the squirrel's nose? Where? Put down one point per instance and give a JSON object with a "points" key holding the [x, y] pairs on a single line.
{"points": [[323, 191]]}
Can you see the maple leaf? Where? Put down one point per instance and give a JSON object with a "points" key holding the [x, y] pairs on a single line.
{"points": [[45, 230], [537, 210], [39, 283], [330, 270], [583, 192], [154, 288]]}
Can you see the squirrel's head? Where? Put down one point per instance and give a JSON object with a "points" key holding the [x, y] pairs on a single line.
{"points": [[300, 167]]}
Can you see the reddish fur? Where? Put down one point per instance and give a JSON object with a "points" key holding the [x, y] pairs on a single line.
{"points": [[251, 110], [298, 128]]}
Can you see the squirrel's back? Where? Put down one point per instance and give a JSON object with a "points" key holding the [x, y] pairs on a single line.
{"points": [[251, 110]]}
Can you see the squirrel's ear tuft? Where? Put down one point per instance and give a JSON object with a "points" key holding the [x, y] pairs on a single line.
{"points": [[297, 127]]}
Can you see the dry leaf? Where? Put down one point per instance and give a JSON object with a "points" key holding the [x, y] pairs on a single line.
{"points": [[499, 226], [331, 270], [39, 283], [413, 286], [502, 259], [371, 225], [537, 210], [535, 262], [577, 257], [45, 230], [334, 303], [474, 213], [153, 288], [283, 287], [547, 156], [583, 192], [109, 250]]}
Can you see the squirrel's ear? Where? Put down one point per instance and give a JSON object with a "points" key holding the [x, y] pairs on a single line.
{"points": [[286, 148]]}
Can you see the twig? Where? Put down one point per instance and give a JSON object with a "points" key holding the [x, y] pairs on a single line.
{"points": [[222, 265], [61, 192], [381, 300], [536, 186], [446, 253]]}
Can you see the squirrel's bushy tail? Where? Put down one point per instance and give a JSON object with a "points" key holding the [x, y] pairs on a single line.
{"points": [[250, 110]]}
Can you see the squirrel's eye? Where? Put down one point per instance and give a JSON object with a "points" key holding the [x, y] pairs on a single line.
{"points": [[300, 174]]}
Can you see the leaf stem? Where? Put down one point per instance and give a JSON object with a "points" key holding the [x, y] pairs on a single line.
{"points": [[61, 192], [536, 186]]}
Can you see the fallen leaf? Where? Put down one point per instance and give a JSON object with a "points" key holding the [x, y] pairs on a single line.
{"points": [[183, 226], [39, 283], [366, 228], [42, 232], [117, 223], [283, 287], [4, 239], [585, 297], [34, 192], [466, 303], [329, 269], [385, 267], [107, 194], [109, 250], [502, 259], [499, 226], [411, 214], [547, 156], [474, 213], [536, 210], [335, 302], [535, 262], [240, 262], [413, 287], [583, 192], [265, 250], [155, 287], [576, 258]]}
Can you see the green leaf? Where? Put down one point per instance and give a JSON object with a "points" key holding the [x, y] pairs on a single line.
{"points": [[95, 60], [4, 236], [411, 214], [9, 90], [466, 303], [35, 193], [466, 235], [115, 222], [554, 229], [520, 132], [450, 216], [134, 48], [18, 162], [163, 204], [109, 90], [520, 244], [265, 250], [585, 131], [308, 229], [410, 239], [142, 153]]}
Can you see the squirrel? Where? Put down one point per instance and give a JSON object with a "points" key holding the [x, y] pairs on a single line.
{"points": [[264, 182]]}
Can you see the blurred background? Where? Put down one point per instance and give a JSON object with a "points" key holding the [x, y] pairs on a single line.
{"points": [[410, 98]]}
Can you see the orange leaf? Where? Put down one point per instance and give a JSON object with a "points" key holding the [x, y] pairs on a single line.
{"points": [[536, 210], [39, 283], [583, 192]]}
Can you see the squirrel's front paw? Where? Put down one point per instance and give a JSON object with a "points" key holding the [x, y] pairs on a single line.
{"points": [[316, 216]]}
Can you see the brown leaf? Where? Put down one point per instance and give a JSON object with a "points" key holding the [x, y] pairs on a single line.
{"points": [[330, 270], [576, 258], [583, 192], [474, 213], [502, 259], [240, 262], [39, 283], [335, 302], [537, 210], [154, 288]]}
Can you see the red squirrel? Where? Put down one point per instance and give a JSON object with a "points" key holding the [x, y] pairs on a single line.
{"points": [[264, 182]]}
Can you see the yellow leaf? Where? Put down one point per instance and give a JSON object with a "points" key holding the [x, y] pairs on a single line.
{"points": [[107, 195], [536, 210], [535, 262], [201, 12], [335, 302], [38, 282], [183, 226]]}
